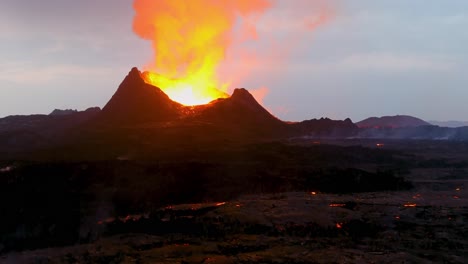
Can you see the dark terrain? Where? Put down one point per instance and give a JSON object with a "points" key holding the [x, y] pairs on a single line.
{"points": [[147, 180]]}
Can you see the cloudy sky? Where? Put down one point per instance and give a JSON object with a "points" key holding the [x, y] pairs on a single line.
{"points": [[372, 58]]}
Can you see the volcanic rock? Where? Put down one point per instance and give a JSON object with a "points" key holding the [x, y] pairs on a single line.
{"points": [[136, 101], [240, 109]]}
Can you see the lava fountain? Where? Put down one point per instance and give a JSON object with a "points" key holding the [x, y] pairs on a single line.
{"points": [[190, 39]]}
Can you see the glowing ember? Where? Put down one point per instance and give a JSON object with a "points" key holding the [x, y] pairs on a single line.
{"points": [[313, 193], [380, 145], [107, 220], [337, 205], [339, 225], [219, 204], [410, 205], [6, 169]]}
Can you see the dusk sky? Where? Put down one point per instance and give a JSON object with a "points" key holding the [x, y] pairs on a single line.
{"points": [[371, 58]]}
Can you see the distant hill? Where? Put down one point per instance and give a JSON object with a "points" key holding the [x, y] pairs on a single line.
{"points": [[57, 120], [397, 121], [325, 128], [449, 123], [24, 132], [60, 112]]}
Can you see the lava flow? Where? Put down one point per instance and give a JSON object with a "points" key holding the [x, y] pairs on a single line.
{"points": [[190, 40]]}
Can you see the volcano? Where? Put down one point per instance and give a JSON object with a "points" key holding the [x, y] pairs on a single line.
{"points": [[136, 103]]}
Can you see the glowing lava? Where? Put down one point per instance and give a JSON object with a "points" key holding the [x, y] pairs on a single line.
{"points": [[194, 40], [190, 39], [192, 90]]}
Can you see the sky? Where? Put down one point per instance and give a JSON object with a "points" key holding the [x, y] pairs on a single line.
{"points": [[372, 58]]}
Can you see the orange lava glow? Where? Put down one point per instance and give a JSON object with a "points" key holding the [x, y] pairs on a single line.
{"points": [[410, 205], [190, 40], [199, 45], [337, 205], [194, 89]]}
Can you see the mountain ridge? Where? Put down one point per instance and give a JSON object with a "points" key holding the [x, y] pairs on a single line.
{"points": [[396, 121]]}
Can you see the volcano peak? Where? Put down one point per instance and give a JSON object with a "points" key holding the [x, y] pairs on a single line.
{"points": [[241, 93], [136, 101], [134, 76], [135, 70], [243, 96]]}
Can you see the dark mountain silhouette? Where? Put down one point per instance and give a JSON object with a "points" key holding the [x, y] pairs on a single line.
{"points": [[240, 113], [325, 127], [240, 108], [392, 122], [136, 102], [63, 112], [24, 132], [43, 123]]}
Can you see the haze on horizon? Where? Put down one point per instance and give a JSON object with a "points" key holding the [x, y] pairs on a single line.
{"points": [[373, 58]]}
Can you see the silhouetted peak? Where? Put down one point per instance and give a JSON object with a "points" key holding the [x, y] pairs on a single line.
{"points": [[134, 72], [241, 94], [93, 109], [133, 77], [135, 101], [60, 112], [348, 120]]}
